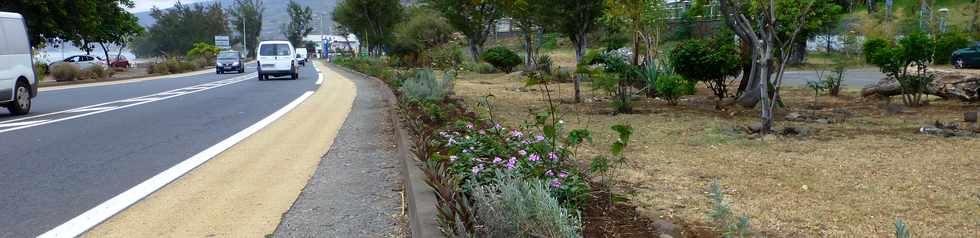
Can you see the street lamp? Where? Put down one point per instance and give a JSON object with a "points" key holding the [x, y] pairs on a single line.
{"points": [[943, 13]]}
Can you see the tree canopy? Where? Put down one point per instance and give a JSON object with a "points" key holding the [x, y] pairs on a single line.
{"points": [[300, 19], [248, 12], [177, 29], [475, 19], [80, 21], [372, 21]]}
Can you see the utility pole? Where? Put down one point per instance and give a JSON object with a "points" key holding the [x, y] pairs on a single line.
{"points": [[244, 38]]}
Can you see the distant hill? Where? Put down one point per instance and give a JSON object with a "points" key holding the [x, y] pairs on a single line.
{"points": [[274, 16]]}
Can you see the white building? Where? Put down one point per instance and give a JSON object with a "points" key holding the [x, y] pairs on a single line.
{"points": [[337, 43]]}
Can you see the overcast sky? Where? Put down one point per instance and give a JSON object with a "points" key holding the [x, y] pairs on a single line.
{"points": [[146, 5]]}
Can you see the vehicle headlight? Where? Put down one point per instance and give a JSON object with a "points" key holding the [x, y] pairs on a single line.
{"points": [[234, 63]]}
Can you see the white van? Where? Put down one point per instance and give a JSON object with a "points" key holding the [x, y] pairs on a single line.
{"points": [[276, 58], [18, 82], [302, 56]]}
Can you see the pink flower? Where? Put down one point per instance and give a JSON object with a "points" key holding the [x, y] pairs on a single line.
{"points": [[552, 156], [555, 183], [511, 163], [522, 152], [477, 168], [562, 174], [497, 160], [549, 173], [498, 126], [539, 138], [534, 157], [453, 158], [516, 133], [469, 125]]}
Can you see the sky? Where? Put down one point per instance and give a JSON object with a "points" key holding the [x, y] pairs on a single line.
{"points": [[146, 5]]}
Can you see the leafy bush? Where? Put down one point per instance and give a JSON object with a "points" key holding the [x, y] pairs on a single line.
{"points": [[66, 72], [423, 29], [715, 62], [914, 50], [948, 42], [158, 68], [549, 41], [902, 229], [478, 151], [172, 66], [502, 58], [610, 72], [204, 50], [449, 56], [425, 87], [95, 72], [672, 87], [873, 45], [836, 78], [522, 208], [40, 69], [721, 214]]}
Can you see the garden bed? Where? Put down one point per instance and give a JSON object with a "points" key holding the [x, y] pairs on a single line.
{"points": [[852, 177]]}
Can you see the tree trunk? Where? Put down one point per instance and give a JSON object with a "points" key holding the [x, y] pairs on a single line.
{"points": [[528, 50], [105, 51], [474, 50], [798, 56], [581, 44]]}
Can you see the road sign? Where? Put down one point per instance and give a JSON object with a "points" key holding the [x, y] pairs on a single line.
{"points": [[222, 42]]}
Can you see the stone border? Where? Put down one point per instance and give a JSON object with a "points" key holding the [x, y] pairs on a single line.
{"points": [[421, 198]]}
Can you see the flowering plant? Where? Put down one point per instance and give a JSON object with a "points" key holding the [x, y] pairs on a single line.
{"points": [[477, 151]]}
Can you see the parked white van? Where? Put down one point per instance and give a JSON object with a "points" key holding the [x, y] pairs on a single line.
{"points": [[276, 58], [18, 82]]}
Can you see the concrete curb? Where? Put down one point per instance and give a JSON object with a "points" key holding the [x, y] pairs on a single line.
{"points": [[421, 198]]}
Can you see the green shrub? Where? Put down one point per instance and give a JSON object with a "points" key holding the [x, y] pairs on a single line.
{"points": [[425, 87], [948, 42], [449, 56], [66, 72], [873, 45], [40, 70], [200, 63], [158, 68], [502, 58], [714, 62], [549, 41], [672, 87], [522, 208], [908, 63], [902, 229], [609, 71], [95, 72], [205, 51]]}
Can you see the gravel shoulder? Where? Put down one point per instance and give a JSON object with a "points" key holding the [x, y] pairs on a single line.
{"points": [[356, 190]]}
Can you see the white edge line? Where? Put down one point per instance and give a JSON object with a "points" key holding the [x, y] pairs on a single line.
{"points": [[319, 78], [80, 224]]}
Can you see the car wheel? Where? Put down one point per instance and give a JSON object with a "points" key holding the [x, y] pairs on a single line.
{"points": [[22, 100], [261, 77], [958, 63]]}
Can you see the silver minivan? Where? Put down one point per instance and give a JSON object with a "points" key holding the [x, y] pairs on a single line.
{"points": [[18, 82]]}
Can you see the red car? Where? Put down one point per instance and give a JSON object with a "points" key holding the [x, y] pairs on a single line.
{"points": [[120, 62]]}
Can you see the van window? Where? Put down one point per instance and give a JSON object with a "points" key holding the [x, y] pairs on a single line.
{"points": [[16, 37], [274, 50]]}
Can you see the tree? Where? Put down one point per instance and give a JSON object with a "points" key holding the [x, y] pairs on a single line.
{"points": [[474, 18], [116, 27], [576, 19], [423, 29], [372, 21], [177, 29], [299, 26], [529, 17], [643, 18], [248, 14], [824, 17], [914, 50], [767, 37], [78, 21]]}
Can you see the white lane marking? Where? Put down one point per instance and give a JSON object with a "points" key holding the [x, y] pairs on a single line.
{"points": [[19, 123], [319, 78], [78, 225]]}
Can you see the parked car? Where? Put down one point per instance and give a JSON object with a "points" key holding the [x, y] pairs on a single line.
{"points": [[229, 61], [276, 58], [966, 58], [302, 56], [18, 81], [82, 61], [119, 62]]}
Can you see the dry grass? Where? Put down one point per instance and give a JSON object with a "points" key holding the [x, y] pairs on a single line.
{"points": [[849, 179]]}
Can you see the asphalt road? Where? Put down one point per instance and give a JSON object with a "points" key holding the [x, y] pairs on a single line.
{"points": [[82, 146], [857, 78]]}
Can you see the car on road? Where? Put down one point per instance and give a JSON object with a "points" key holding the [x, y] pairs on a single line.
{"points": [[82, 61], [302, 56], [120, 62], [229, 61], [18, 81], [966, 58], [276, 59]]}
